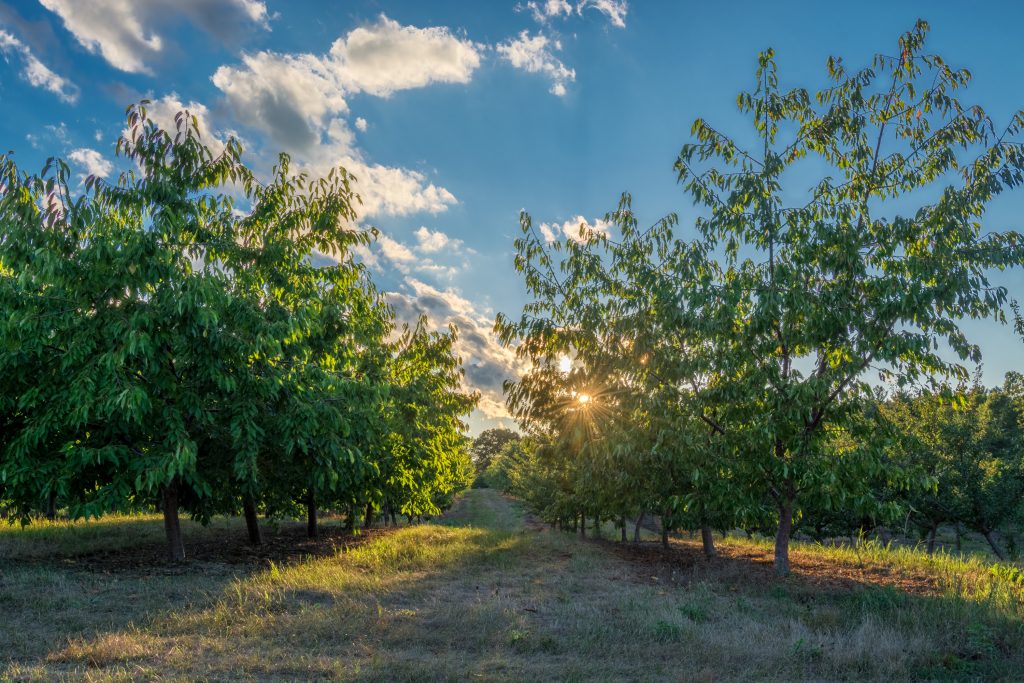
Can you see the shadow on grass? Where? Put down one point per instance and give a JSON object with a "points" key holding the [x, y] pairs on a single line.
{"points": [[477, 596]]}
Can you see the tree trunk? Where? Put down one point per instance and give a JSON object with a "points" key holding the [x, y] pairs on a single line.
{"points": [[931, 538], [708, 538], [959, 535], [368, 519], [51, 505], [782, 538], [583, 525], [623, 523], [350, 519], [996, 550], [394, 520], [252, 522], [311, 529], [172, 525], [636, 529], [597, 527]]}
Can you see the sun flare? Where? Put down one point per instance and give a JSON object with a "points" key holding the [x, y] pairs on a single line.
{"points": [[564, 364]]}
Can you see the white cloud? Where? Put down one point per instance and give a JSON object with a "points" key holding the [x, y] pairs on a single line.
{"points": [[431, 241], [361, 124], [406, 259], [34, 71], [385, 57], [615, 10], [534, 55], [125, 32], [542, 11], [91, 163], [571, 229], [287, 96], [298, 100], [487, 363]]}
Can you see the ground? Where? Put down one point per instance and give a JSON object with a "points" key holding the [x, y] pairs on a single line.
{"points": [[488, 594]]}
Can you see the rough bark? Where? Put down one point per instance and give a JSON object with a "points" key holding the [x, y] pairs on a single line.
{"points": [[623, 528], [172, 524], [350, 519], [782, 537], [311, 525], [368, 518], [636, 528], [51, 505], [708, 538], [583, 525], [252, 522]]}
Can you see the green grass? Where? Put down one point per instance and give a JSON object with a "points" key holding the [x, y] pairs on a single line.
{"points": [[481, 595]]}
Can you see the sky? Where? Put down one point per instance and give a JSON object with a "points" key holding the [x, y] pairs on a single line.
{"points": [[456, 116]]}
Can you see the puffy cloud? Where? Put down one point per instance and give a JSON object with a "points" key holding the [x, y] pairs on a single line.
{"points": [[431, 241], [91, 162], [395, 191], [382, 58], [488, 364], [406, 259], [287, 96], [571, 229], [534, 55], [125, 33], [361, 124], [34, 71], [298, 101], [615, 10]]}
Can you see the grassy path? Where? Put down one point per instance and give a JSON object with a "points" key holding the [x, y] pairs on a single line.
{"points": [[482, 596]]}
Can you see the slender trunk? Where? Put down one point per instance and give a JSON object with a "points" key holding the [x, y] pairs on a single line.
{"points": [[597, 527], [636, 529], [368, 519], [575, 524], [350, 519], [782, 537], [311, 530], [931, 538], [51, 505], [583, 525], [172, 525], [708, 538], [252, 522], [996, 550], [959, 535], [623, 523], [664, 529], [394, 520]]}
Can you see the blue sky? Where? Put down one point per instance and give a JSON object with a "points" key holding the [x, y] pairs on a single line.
{"points": [[456, 115]]}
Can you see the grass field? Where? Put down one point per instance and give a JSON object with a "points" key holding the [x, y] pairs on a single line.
{"points": [[485, 594]]}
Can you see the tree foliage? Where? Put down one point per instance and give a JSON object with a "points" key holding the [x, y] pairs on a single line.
{"points": [[734, 363], [170, 339]]}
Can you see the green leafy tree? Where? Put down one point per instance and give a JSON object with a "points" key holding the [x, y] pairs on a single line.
{"points": [[489, 444], [172, 333], [810, 297]]}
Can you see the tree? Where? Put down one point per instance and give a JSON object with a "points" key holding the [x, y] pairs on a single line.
{"points": [[170, 334], [489, 444], [777, 313]]}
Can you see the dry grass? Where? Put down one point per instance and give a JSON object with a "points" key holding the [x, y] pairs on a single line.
{"points": [[481, 597]]}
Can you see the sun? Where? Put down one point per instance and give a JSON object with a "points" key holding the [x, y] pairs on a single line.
{"points": [[584, 399]]}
